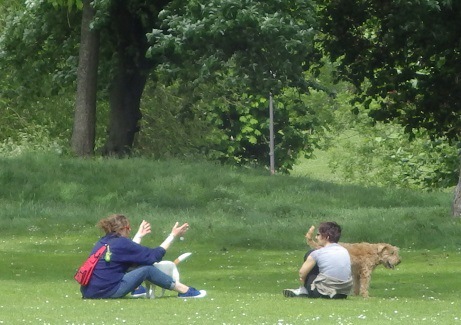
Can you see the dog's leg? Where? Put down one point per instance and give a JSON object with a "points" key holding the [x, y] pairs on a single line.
{"points": [[166, 267], [365, 277], [149, 291], [356, 279], [169, 268]]}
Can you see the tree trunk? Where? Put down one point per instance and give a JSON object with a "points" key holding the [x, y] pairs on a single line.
{"points": [[125, 114], [129, 80], [83, 134]]}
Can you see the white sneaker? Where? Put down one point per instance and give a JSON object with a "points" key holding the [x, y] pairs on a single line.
{"points": [[295, 293]]}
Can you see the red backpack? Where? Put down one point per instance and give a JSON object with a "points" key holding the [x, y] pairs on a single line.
{"points": [[85, 271]]}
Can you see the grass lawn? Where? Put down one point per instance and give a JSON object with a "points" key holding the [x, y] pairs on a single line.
{"points": [[244, 287], [246, 237]]}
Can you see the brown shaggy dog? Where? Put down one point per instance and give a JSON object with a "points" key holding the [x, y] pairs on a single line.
{"points": [[365, 257]]}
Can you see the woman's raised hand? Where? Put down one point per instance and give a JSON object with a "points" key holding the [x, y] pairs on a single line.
{"points": [[179, 230]]}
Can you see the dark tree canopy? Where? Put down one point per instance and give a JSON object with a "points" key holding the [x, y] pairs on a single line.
{"points": [[406, 53], [226, 55], [230, 55]]}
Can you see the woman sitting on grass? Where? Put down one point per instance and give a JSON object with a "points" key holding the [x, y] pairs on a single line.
{"points": [[326, 272], [112, 278]]}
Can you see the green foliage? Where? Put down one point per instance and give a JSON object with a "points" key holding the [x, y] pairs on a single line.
{"points": [[224, 122], [70, 4], [240, 119], [267, 47], [381, 155], [38, 61], [362, 151], [267, 43], [38, 54], [228, 56], [166, 131], [37, 89], [244, 120], [404, 53], [37, 140], [41, 124]]}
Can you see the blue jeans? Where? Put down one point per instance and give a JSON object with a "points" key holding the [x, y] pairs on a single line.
{"points": [[133, 279]]}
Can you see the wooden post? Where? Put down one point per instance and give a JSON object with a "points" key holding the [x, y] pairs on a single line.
{"points": [[271, 135]]}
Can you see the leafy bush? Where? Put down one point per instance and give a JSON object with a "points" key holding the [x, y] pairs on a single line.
{"points": [[223, 122], [382, 154], [166, 131], [36, 139]]}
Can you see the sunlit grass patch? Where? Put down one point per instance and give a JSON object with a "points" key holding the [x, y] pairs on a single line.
{"points": [[244, 287], [246, 237]]}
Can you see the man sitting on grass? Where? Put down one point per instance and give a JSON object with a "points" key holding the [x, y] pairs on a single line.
{"points": [[326, 272]]}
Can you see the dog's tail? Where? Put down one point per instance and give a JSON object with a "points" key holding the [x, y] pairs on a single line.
{"points": [[310, 240], [181, 258]]}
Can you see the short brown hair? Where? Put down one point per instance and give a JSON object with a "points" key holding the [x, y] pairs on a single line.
{"points": [[330, 230], [113, 223]]}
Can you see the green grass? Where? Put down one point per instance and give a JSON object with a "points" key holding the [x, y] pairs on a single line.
{"points": [[227, 207], [247, 239], [244, 287]]}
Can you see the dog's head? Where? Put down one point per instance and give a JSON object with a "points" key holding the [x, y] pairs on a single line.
{"points": [[388, 255]]}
